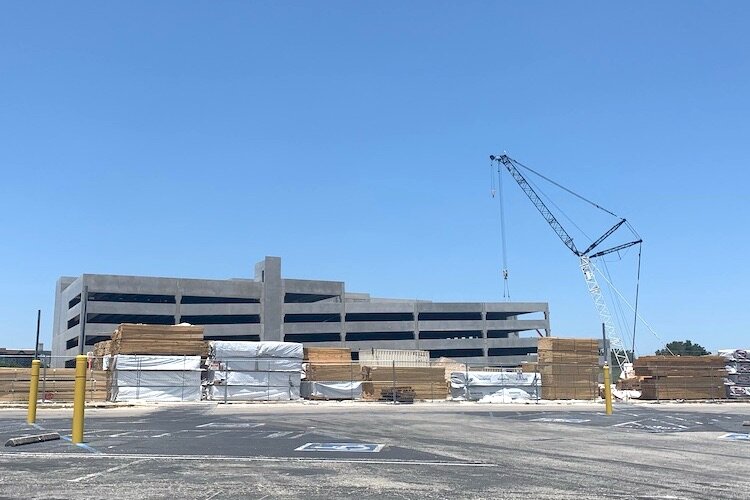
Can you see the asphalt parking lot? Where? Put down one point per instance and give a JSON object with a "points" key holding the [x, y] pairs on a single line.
{"points": [[432, 450]]}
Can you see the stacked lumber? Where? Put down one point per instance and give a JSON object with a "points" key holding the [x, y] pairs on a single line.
{"points": [[397, 357], [529, 367], [101, 350], [167, 340], [681, 377], [738, 372], [450, 365], [55, 384], [327, 355], [427, 382], [569, 368], [331, 374], [334, 372], [397, 394]]}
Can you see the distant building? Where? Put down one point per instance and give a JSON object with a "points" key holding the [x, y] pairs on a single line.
{"points": [[22, 358], [88, 309]]}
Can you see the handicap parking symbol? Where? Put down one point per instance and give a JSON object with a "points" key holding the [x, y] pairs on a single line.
{"points": [[342, 447]]}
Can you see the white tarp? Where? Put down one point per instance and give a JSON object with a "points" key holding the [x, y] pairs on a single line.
{"points": [[246, 393], [476, 385], [228, 349], [491, 379], [156, 378], [506, 396], [260, 379], [149, 362], [163, 394], [735, 354], [331, 390], [258, 365]]}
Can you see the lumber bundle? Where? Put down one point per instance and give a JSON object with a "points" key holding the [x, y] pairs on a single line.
{"points": [[334, 372], [55, 384], [681, 377], [569, 368], [167, 340], [327, 355], [101, 350], [450, 366], [427, 382]]}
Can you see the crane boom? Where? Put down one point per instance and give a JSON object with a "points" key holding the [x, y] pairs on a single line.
{"points": [[537, 201], [587, 267]]}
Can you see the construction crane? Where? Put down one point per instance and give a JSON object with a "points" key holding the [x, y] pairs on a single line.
{"points": [[585, 257]]}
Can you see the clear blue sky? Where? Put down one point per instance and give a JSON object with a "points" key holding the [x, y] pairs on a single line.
{"points": [[351, 139]]}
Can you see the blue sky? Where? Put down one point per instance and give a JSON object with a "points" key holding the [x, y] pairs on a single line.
{"points": [[351, 139]]}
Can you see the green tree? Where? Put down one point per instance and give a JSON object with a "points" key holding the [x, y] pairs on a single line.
{"points": [[683, 348]]}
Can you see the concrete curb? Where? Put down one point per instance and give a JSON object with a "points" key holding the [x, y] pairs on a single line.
{"points": [[32, 438]]}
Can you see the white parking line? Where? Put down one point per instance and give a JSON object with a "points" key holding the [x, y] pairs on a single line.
{"points": [[278, 434], [225, 458], [107, 471]]}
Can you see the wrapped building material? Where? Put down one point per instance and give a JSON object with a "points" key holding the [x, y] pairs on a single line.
{"points": [[228, 349], [331, 390], [475, 385], [257, 365], [737, 366], [125, 362], [155, 378], [157, 393], [254, 371], [259, 379], [251, 393]]}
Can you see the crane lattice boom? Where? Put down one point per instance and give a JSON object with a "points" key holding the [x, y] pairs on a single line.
{"points": [[587, 267]]}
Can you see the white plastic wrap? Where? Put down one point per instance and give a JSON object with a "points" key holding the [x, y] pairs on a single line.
{"points": [[156, 378], [491, 379], [735, 354], [331, 390], [258, 365], [149, 362], [259, 379], [162, 394], [228, 349], [506, 396], [246, 393], [495, 385]]}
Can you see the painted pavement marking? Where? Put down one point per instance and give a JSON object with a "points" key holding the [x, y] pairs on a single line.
{"points": [[342, 447]]}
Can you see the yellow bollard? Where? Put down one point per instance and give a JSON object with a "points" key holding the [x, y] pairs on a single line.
{"points": [[33, 391], [607, 390], [79, 398]]}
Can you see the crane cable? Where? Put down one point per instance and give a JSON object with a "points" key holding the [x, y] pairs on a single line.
{"points": [[499, 192], [637, 290], [565, 189]]}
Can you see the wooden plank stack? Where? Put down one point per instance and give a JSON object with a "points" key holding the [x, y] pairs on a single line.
{"points": [[167, 340], [569, 368], [101, 350], [330, 364], [681, 377], [55, 384], [427, 382], [327, 355]]}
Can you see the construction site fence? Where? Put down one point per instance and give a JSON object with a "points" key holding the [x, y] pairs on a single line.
{"points": [[282, 379]]}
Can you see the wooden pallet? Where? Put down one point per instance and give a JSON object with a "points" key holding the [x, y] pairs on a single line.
{"points": [[401, 394]]}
